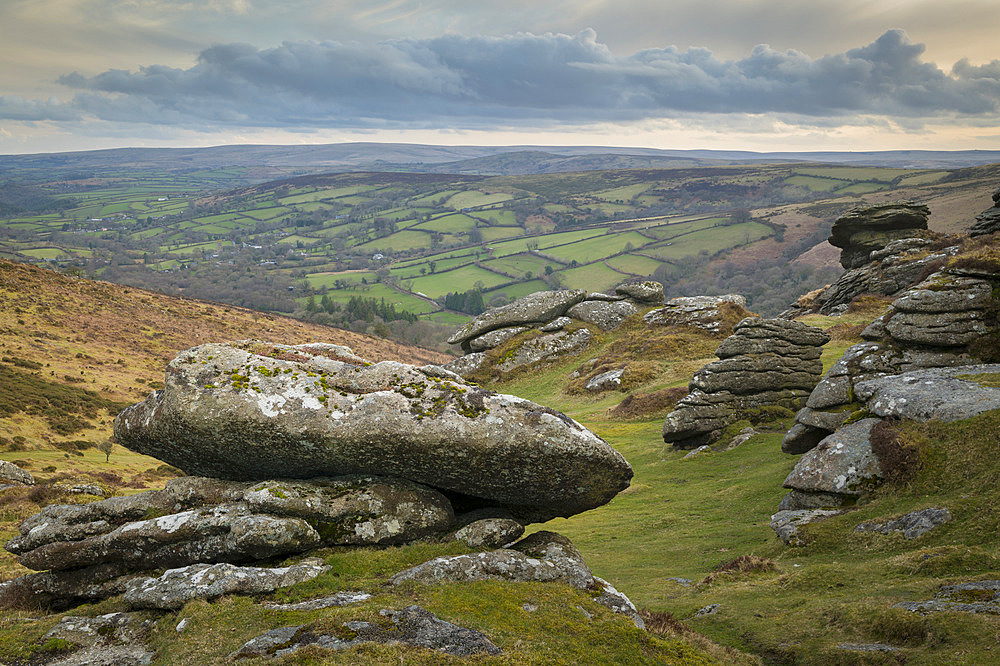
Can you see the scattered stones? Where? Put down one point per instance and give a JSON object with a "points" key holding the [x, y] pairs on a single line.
{"points": [[11, 472], [710, 609], [490, 533], [864, 230], [765, 362], [537, 308], [411, 626], [334, 601], [981, 596], [603, 314], [703, 312], [912, 525], [108, 655], [606, 381], [786, 524], [113, 639], [207, 581], [242, 411]]}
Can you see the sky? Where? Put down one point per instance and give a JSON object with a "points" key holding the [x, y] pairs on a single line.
{"points": [[675, 74]]}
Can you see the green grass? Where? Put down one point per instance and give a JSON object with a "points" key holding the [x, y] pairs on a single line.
{"points": [[598, 248], [459, 279], [518, 264], [457, 223], [710, 240], [401, 239], [815, 184], [624, 193], [474, 199], [592, 276], [518, 290], [635, 264], [498, 216]]}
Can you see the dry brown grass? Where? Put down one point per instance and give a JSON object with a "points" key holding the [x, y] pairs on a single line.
{"points": [[643, 405], [740, 565]]}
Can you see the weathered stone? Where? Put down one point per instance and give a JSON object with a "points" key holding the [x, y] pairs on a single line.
{"points": [[742, 437], [605, 315], [705, 448], [617, 602], [942, 329], [11, 472], [710, 609], [867, 647], [600, 296], [774, 332], [796, 500], [945, 394], [411, 626], [546, 348], [360, 510], [333, 601], [786, 524], [988, 221], [912, 525], [699, 417], [829, 421], [108, 655], [830, 392], [557, 324], [536, 308], [867, 229], [495, 338], [843, 463], [801, 438], [642, 292], [463, 366], [207, 581], [606, 381], [698, 311], [107, 628], [757, 372], [230, 412], [490, 533], [945, 293]]}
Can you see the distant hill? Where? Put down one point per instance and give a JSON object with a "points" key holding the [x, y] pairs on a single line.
{"points": [[272, 161]]}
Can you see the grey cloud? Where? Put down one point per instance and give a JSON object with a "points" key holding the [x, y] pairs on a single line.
{"points": [[13, 107], [545, 79]]}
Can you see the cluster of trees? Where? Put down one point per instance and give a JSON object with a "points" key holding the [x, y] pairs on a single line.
{"points": [[361, 308], [469, 302]]}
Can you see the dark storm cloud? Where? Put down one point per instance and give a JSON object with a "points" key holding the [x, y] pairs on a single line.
{"points": [[519, 79]]}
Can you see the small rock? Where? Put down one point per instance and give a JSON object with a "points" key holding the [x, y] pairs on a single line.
{"points": [[335, 601], [11, 472], [681, 581], [701, 449], [605, 381], [531, 608], [843, 463], [557, 324], [710, 609], [181, 626], [585, 613], [490, 533], [867, 647], [786, 524], [911, 525]]}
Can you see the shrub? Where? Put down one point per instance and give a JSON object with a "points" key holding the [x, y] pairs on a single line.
{"points": [[740, 565], [639, 405], [898, 460]]}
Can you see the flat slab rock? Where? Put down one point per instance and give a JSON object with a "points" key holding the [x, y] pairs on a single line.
{"points": [[411, 626], [11, 472], [982, 596], [254, 410], [209, 520], [698, 311], [207, 581], [536, 308], [786, 524], [946, 394]]}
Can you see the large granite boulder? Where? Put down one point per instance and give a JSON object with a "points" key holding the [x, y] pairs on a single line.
{"points": [[537, 308], [864, 230], [843, 463], [495, 338], [254, 410], [943, 394], [646, 292], [764, 362], [702, 312]]}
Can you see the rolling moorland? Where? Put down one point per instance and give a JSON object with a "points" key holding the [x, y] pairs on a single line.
{"points": [[688, 533], [310, 245]]}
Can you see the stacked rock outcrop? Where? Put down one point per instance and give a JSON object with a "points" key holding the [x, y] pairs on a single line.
{"points": [[988, 222], [703, 312], [765, 362], [865, 230], [885, 248], [946, 320], [562, 318], [300, 447]]}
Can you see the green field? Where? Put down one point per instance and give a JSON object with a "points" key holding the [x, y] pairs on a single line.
{"points": [[457, 223], [709, 240], [475, 199], [596, 248], [594, 277], [634, 263], [459, 279]]}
